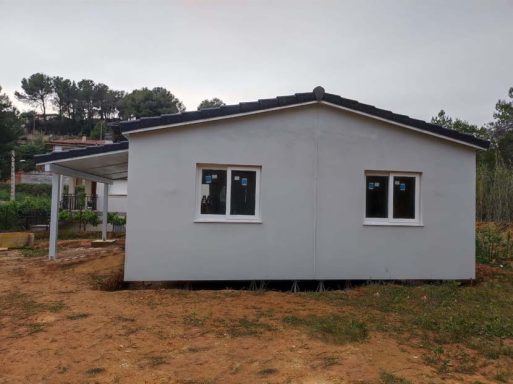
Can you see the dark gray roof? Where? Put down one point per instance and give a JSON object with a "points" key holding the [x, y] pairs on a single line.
{"points": [[53, 156], [317, 94]]}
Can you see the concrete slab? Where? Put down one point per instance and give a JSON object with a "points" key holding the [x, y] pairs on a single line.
{"points": [[102, 243], [16, 239]]}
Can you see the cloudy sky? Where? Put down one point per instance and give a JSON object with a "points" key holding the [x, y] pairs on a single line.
{"points": [[412, 57]]}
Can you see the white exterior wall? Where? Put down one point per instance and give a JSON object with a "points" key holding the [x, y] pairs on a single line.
{"points": [[117, 197], [313, 161]]}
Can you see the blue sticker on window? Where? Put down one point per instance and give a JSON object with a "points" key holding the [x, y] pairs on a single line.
{"points": [[243, 181], [208, 179], [371, 186], [402, 187]]}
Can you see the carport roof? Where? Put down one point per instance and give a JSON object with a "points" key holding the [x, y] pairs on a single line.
{"points": [[101, 163]]}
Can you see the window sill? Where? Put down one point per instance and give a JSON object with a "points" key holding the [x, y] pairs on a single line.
{"points": [[225, 220], [391, 224]]}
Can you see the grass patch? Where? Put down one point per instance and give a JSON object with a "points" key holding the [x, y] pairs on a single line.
{"points": [[242, 327], [248, 327], [35, 328], [77, 316], [390, 378], [33, 252], [20, 305], [334, 329], [267, 372], [503, 376], [157, 360], [94, 371], [55, 306], [193, 319], [197, 349], [477, 316]]}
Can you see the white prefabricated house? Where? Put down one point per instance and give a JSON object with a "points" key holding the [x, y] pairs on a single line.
{"points": [[310, 186]]}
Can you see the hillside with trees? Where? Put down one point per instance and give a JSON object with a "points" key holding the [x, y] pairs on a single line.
{"points": [[84, 107]]}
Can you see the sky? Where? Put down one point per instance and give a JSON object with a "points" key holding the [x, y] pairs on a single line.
{"points": [[413, 57]]}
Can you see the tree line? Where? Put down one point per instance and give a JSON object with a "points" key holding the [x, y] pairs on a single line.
{"points": [[89, 100], [82, 108], [494, 177]]}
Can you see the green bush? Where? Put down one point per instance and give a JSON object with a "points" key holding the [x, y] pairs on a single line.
{"points": [[39, 190], [24, 191], [12, 212], [8, 215], [115, 219], [494, 244], [64, 215], [86, 217]]}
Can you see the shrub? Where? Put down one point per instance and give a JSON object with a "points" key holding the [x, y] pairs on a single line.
{"points": [[65, 215], [25, 190], [115, 219], [12, 212], [494, 244], [8, 215], [86, 217]]}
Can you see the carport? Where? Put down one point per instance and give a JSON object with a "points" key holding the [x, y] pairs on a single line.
{"points": [[102, 164]]}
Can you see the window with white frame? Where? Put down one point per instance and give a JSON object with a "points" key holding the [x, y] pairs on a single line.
{"points": [[228, 193], [392, 198]]}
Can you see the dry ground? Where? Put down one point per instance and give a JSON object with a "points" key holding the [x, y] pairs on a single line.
{"points": [[57, 326]]}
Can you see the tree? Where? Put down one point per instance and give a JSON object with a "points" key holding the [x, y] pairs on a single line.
{"points": [[503, 116], [86, 97], [459, 125], [100, 92], [149, 102], [98, 132], [27, 151], [212, 103], [9, 133], [63, 95], [106, 101], [36, 91]]}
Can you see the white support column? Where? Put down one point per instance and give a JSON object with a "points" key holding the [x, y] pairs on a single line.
{"points": [[13, 175], [105, 211], [54, 215], [61, 188]]}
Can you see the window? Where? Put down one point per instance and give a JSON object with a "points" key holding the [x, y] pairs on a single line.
{"points": [[392, 198], [228, 193]]}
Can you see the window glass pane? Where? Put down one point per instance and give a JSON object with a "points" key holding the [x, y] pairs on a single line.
{"points": [[377, 197], [213, 192], [243, 193], [404, 197]]}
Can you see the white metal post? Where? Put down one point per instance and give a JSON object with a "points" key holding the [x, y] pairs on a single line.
{"points": [[105, 210], [54, 215], [13, 175]]}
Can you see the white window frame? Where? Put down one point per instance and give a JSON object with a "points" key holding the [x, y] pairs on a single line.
{"points": [[416, 222], [227, 217]]}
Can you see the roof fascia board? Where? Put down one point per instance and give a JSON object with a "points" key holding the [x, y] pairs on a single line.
{"points": [[59, 169], [82, 157], [127, 133], [403, 125]]}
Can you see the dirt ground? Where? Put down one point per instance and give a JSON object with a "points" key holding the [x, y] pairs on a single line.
{"points": [[56, 326]]}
